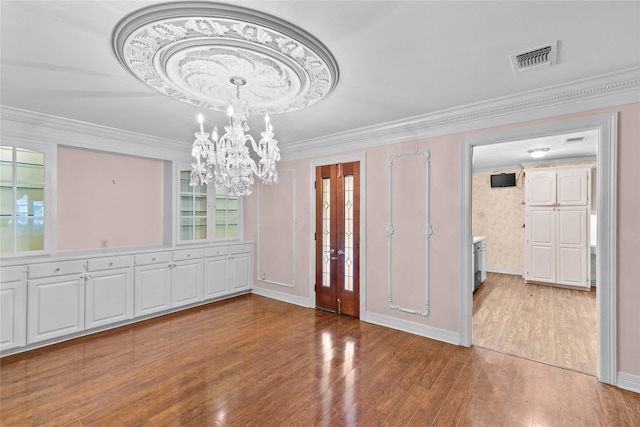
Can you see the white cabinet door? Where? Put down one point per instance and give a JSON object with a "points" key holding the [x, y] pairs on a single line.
{"points": [[186, 283], [540, 188], [55, 307], [216, 276], [152, 289], [572, 187], [13, 308], [241, 268], [109, 297], [572, 244], [541, 247]]}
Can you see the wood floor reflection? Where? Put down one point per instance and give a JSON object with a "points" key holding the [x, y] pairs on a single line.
{"points": [[253, 361], [543, 323]]}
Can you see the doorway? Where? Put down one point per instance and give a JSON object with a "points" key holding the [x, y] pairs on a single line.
{"points": [[606, 125], [337, 238]]}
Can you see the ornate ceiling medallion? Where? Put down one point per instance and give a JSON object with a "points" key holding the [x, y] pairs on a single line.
{"points": [[191, 50]]}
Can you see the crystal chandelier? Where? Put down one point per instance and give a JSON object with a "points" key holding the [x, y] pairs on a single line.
{"points": [[226, 160]]}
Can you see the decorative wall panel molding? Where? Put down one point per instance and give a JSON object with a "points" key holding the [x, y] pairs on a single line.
{"points": [[276, 231], [407, 239]]}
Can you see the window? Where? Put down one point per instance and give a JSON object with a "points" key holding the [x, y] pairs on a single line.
{"points": [[22, 200], [195, 212]]}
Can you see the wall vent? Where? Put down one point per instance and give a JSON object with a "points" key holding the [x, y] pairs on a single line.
{"points": [[576, 139], [534, 59]]}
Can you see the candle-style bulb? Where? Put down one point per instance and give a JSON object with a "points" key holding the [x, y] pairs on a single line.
{"points": [[230, 111], [201, 121], [266, 118]]}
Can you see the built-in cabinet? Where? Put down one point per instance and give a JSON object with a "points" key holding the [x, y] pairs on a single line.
{"points": [[557, 211], [13, 307], [227, 270], [55, 299], [108, 291], [47, 302], [152, 283]]}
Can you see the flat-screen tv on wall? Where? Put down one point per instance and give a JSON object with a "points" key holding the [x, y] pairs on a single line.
{"points": [[503, 180]]}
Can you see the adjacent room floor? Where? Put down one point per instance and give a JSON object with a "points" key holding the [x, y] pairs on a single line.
{"points": [[544, 323]]}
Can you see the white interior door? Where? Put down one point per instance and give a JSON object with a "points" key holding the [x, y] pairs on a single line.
{"points": [[573, 240], [541, 247]]}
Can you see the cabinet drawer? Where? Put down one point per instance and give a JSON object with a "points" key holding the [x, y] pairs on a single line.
{"points": [[154, 258], [240, 249], [110, 263], [12, 274], [218, 251], [60, 268], [187, 254]]}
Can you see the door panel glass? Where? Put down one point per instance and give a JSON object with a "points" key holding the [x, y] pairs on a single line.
{"points": [[348, 233], [326, 232]]}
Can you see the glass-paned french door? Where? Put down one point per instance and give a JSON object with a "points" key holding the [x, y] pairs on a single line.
{"points": [[338, 238]]}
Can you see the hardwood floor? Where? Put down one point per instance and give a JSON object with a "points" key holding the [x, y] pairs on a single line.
{"points": [[253, 361], [544, 323]]}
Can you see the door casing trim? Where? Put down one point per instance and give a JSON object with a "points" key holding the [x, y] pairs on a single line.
{"points": [[606, 202]]}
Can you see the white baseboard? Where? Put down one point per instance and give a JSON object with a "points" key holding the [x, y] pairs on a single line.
{"points": [[281, 296], [628, 382], [412, 328], [504, 271]]}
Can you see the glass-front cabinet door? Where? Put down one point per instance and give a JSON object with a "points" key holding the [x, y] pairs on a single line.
{"points": [[206, 213], [193, 210], [22, 200]]}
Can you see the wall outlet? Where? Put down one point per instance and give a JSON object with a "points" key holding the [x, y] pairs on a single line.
{"points": [[103, 243]]}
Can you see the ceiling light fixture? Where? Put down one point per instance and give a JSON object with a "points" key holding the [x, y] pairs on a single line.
{"points": [[538, 153], [204, 54], [226, 161]]}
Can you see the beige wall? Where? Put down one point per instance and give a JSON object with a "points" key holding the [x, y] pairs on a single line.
{"points": [[498, 214]]}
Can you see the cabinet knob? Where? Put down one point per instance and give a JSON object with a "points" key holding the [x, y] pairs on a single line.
{"points": [[110, 264], [57, 270]]}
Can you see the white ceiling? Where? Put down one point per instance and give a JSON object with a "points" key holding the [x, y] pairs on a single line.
{"points": [[397, 59]]}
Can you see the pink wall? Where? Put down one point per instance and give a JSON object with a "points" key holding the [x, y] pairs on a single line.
{"points": [[445, 219], [108, 197], [629, 240]]}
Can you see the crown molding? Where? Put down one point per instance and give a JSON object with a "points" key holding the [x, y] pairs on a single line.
{"points": [[24, 125], [607, 90]]}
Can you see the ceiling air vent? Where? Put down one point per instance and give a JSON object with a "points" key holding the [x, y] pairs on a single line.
{"points": [[576, 139], [535, 58]]}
